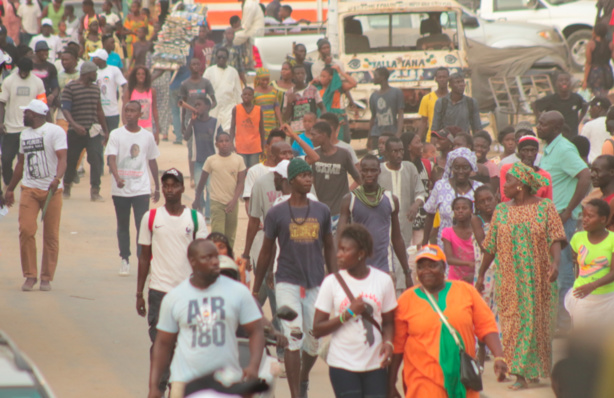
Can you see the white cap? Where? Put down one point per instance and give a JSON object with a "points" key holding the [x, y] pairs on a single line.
{"points": [[100, 53], [228, 263], [46, 21], [36, 106], [281, 168]]}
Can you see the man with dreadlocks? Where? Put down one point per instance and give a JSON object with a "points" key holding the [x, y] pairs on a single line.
{"points": [[378, 210]]}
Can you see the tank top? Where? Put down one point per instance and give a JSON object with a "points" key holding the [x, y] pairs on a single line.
{"points": [[247, 131], [601, 54], [145, 99], [55, 16], [378, 221]]}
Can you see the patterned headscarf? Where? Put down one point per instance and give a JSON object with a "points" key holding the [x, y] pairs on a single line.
{"points": [[464, 153], [528, 177], [260, 74]]}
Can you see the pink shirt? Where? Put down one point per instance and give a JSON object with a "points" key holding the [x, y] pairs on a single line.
{"points": [[146, 100], [463, 250]]}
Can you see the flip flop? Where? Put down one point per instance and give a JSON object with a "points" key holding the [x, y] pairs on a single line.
{"points": [[519, 385]]}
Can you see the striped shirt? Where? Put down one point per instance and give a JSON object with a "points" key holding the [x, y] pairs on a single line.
{"points": [[82, 102]]}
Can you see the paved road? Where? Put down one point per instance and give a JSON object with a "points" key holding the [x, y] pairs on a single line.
{"points": [[85, 335]]}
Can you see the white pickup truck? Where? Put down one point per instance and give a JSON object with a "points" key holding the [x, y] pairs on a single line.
{"points": [[574, 18]]}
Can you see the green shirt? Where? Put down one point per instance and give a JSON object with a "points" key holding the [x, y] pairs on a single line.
{"points": [[594, 261], [562, 161]]}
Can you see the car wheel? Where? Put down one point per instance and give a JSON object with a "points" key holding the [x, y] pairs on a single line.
{"points": [[577, 42]]}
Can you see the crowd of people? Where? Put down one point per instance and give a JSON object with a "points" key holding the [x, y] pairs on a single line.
{"points": [[425, 249]]}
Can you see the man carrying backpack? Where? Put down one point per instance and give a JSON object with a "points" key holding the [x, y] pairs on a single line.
{"points": [[165, 234], [457, 109]]}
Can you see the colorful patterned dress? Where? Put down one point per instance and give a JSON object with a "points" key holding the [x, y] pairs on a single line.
{"points": [[281, 93], [267, 102], [520, 237]]}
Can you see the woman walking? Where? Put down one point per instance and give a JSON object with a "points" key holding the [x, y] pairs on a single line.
{"points": [[525, 240], [283, 84], [426, 346], [356, 305], [597, 71], [140, 89], [265, 96]]}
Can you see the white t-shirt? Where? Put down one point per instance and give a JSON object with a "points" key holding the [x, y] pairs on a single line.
{"points": [[54, 43], [29, 17], [206, 320], [169, 246], [111, 18], [18, 92], [253, 174], [109, 80], [597, 134], [133, 152], [40, 161], [356, 344]]}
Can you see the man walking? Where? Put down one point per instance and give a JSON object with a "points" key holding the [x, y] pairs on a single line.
{"points": [[17, 90], [109, 79], [200, 317], [82, 108], [595, 130], [164, 237], [132, 152], [571, 105], [570, 183], [428, 102], [42, 154], [387, 107], [457, 109], [303, 231], [378, 210], [226, 86]]}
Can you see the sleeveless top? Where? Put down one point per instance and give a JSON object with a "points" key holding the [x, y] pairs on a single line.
{"points": [[378, 221], [55, 16], [247, 130], [601, 53], [145, 99]]}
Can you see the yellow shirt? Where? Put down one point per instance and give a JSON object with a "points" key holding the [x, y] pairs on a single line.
{"points": [[427, 109]]}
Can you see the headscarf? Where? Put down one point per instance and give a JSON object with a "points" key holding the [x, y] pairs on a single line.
{"points": [[260, 74], [528, 177], [464, 153]]}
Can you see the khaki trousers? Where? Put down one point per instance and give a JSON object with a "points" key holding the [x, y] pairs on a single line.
{"points": [[225, 223], [30, 206], [177, 389]]}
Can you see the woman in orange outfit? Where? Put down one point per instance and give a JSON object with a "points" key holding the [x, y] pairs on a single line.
{"points": [[424, 343]]}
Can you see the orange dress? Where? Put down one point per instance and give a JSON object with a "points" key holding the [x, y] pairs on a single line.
{"points": [[421, 337]]}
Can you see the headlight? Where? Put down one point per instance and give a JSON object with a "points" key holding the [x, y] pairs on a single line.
{"points": [[550, 35]]}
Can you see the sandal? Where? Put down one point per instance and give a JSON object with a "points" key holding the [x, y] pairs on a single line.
{"points": [[519, 385]]}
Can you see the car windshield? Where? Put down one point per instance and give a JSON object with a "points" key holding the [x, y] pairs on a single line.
{"points": [[400, 32]]}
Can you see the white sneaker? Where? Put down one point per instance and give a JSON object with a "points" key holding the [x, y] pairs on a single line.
{"points": [[124, 269]]}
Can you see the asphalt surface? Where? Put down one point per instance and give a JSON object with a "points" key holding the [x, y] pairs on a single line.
{"points": [[85, 335]]}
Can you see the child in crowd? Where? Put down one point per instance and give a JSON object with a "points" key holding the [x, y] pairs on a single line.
{"points": [[72, 22], [247, 128], [93, 40], [227, 171], [458, 242], [63, 34], [507, 138], [140, 48], [381, 146], [308, 121], [225, 249], [202, 130], [429, 151], [591, 300], [300, 99], [481, 146]]}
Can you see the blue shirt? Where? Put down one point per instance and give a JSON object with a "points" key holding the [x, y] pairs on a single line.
{"points": [[115, 60], [296, 148], [562, 161]]}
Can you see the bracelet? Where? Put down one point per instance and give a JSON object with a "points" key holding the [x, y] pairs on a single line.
{"points": [[500, 359], [350, 312], [341, 317], [245, 256], [389, 343]]}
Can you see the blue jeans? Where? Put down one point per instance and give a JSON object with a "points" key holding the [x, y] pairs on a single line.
{"points": [[205, 203], [566, 275], [176, 111], [347, 384], [251, 159]]}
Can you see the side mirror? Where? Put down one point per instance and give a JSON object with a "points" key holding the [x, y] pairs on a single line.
{"points": [[470, 21]]}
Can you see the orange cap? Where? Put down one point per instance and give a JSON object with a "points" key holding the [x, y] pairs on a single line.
{"points": [[432, 252]]}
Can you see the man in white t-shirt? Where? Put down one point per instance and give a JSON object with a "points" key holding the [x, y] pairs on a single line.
{"points": [[53, 41], [595, 130], [164, 237], [42, 156], [132, 152], [29, 13], [198, 322], [17, 90], [109, 78]]}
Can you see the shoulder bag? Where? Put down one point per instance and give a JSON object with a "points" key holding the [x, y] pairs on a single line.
{"points": [[469, 367]]}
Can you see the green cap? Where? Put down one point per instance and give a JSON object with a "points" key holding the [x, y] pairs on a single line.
{"points": [[296, 167]]}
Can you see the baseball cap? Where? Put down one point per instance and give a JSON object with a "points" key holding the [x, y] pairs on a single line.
{"points": [[46, 21], [281, 168], [41, 46], [228, 263], [88, 67], [443, 134], [602, 102], [36, 106], [173, 173], [100, 53], [432, 252]]}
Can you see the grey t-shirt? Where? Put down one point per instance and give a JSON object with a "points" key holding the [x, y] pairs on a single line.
{"points": [[330, 177], [461, 114], [206, 320], [190, 90], [386, 108], [263, 196], [301, 235]]}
